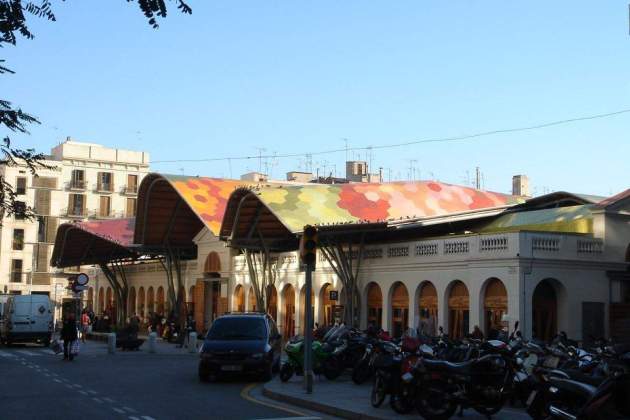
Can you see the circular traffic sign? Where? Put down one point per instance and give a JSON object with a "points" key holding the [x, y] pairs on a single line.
{"points": [[82, 279]]}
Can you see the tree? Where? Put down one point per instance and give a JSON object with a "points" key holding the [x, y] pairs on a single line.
{"points": [[263, 272], [13, 23]]}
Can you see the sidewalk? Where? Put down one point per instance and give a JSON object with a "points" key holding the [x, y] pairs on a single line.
{"points": [[342, 398], [98, 344]]}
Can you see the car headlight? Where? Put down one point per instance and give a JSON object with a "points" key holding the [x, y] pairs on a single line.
{"points": [[257, 356]]}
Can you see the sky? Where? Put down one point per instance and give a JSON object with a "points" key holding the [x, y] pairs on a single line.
{"points": [[297, 77]]}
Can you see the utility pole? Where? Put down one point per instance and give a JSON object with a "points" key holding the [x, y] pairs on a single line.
{"points": [[308, 256]]}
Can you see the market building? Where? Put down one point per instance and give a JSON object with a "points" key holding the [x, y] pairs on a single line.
{"points": [[425, 253]]}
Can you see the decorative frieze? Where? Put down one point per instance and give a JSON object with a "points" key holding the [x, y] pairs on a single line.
{"points": [[456, 247], [426, 249], [545, 243], [398, 251], [590, 246], [493, 243]]}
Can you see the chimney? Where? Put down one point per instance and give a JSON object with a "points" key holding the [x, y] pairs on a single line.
{"points": [[520, 185]]}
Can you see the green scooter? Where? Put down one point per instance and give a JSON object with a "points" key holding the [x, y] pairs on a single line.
{"points": [[324, 360]]}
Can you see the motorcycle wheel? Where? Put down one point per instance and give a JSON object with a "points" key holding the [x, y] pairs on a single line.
{"points": [[402, 402], [432, 401], [286, 372], [361, 373], [332, 368], [379, 391]]}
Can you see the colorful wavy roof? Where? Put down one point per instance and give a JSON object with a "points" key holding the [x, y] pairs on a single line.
{"points": [[297, 206], [114, 230], [571, 219]]}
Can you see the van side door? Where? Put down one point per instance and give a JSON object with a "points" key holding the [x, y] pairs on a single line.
{"points": [[20, 315]]}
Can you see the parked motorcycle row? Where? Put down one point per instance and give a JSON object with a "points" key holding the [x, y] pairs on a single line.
{"points": [[438, 377]]}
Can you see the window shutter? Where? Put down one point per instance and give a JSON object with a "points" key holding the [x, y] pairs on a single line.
{"points": [[45, 182], [51, 228], [42, 258], [42, 202]]}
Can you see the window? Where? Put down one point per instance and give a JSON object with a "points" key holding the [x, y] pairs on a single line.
{"points": [[78, 179], [45, 182], [20, 210], [16, 271], [105, 182], [132, 184], [20, 186], [41, 229], [76, 205], [131, 207], [104, 210], [18, 239]]}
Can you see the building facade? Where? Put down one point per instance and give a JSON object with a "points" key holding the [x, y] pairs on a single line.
{"points": [[86, 181]]}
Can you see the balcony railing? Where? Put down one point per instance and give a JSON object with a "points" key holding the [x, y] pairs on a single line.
{"points": [[130, 189], [74, 212], [104, 188], [76, 184]]}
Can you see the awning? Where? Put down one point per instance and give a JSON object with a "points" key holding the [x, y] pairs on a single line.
{"points": [[571, 219]]}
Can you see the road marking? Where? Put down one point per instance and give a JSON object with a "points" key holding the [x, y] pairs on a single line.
{"points": [[147, 418], [98, 400], [109, 400], [69, 386], [133, 418], [118, 410], [83, 393], [92, 392], [57, 380], [245, 395], [5, 354], [49, 351], [47, 375], [77, 386], [131, 410], [28, 353]]}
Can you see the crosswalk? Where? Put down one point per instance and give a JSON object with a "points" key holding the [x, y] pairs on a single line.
{"points": [[18, 353]]}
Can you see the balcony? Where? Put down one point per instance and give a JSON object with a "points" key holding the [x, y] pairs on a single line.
{"points": [[104, 188], [130, 190], [74, 212], [97, 214], [18, 276], [76, 185]]}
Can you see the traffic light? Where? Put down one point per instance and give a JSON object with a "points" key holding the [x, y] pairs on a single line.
{"points": [[308, 246]]}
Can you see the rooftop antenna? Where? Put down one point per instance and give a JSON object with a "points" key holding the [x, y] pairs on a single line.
{"points": [[345, 140], [477, 178], [260, 150]]}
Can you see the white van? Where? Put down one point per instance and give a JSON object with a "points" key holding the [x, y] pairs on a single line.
{"points": [[27, 319]]}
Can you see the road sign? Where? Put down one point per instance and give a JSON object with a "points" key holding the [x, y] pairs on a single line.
{"points": [[82, 279], [334, 295]]}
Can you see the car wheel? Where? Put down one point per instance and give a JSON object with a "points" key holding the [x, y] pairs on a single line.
{"points": [[204, 375]]}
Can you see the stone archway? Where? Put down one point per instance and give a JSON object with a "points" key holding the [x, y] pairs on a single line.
{"points": [[151, 300], [101, 301], [374, 305], [458, 309], [326, 305], [238, 304], [159, 298], [212, 263], [288, 297], [495, 307], [544, 311], [131, 302], [273, 303], [141, 302], [399, 303], [251, 300], [428, 308]]}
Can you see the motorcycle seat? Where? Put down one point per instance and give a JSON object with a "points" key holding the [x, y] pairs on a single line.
{"points": [[444, 366], [579, 388]]}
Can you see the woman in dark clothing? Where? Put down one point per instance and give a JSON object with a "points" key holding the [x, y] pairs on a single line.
{"points": [[68, 334]]}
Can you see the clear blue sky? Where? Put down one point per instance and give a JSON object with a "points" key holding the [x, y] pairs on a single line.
{"points": [[297, 76]]}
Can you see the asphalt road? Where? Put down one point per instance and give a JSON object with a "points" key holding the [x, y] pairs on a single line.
{"points": [[36, 384]]}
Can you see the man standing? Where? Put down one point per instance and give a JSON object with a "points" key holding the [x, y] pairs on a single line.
{"points": [[85, 324], [69, 334]]}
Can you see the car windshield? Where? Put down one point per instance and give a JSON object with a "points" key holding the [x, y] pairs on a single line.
{"points": [[237, 329]]}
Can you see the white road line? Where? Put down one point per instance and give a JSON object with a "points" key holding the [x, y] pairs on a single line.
{"points": [[69, 386], [109, 400], [47, 375], [133, 418], [57, 380], [147, 418], [28, 353], [49, 351], [5, 354], [131, 410], [118, 410], [98, 400], [83, 393], [92, 392], [77, 386]]}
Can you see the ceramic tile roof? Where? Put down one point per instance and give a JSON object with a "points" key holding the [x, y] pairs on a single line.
{"points": [[571, 219], [298, 205], [114, 230]]}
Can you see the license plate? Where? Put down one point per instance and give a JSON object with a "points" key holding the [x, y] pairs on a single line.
{"points": [[232, 368], [530, 400]]}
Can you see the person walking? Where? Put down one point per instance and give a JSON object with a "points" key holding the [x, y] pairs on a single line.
{"points": [[69, 335], [85, 325]]}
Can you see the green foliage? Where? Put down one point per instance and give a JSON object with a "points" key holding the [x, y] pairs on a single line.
{"points": [[13, 23]]}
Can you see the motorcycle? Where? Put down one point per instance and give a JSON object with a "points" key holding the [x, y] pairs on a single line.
{"points": [[324, 361]]}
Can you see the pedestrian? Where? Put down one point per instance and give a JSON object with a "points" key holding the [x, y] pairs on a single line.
{"points": [[85, 324], [69, 335], [477, 334]]}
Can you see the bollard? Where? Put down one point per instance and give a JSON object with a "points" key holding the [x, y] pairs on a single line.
{"points": [[152, 342], [192, 342], [111, 343]]}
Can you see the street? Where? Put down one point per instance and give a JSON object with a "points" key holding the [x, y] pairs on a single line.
{"points": [[37, 384]]}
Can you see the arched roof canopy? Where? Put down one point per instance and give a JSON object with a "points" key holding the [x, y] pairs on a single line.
{"points": [[94, 242]]}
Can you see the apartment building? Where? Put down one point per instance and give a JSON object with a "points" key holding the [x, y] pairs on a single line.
{"points": [[85, 181]]}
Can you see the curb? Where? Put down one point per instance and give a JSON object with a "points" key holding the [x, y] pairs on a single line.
{"points": [[317, 406]]}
